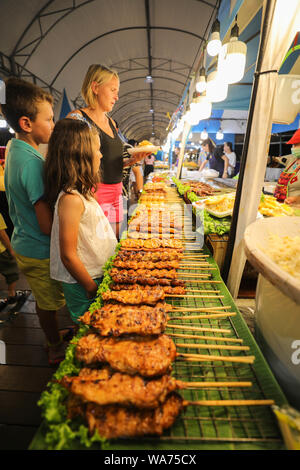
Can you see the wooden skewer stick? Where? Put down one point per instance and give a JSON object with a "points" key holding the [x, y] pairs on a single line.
{"points": [[200, 328], [204, 291], [196, 296], [200, 268], [215, 384], [198, 256], [202, 311], [211, 315], [229, 403], [212, 346], [199, 263], [195, 275], [202, 281], [208, 338], [208, 357], [199, 309]]}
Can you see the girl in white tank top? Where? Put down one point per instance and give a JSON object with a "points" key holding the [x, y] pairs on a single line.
{"points": [[82, 239]]}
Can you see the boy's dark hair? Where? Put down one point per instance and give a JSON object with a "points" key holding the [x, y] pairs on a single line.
{"points": [[22, 99]]}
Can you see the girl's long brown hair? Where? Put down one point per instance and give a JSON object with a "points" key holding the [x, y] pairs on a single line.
{"points": [[69, 160]]}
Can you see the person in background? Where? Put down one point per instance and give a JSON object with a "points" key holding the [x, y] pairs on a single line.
{"points": [[231, 158], [149, 165], [202, 156], [100, 90], [288, 185], [28, 110], [8, 265], [82, 239], [215, 159]]}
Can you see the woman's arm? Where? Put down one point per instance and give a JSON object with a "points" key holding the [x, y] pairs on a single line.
{"points": [[70, 210], [202, 165], [138, 178], [226, 162]]}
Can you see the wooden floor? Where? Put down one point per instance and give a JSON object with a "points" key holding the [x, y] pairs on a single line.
{"points": [[25, 373]]}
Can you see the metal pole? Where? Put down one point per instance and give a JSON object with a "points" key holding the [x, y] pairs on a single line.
{"points": [[261, 52]]}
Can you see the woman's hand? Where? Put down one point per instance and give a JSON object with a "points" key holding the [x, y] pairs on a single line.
{"points": [[292, 200]]}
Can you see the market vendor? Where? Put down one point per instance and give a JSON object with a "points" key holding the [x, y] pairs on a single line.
{"points": [[288, 184], [100, 91], [215, 159]]}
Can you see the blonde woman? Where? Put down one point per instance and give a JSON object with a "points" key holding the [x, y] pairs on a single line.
{"points": [[100, 91]]}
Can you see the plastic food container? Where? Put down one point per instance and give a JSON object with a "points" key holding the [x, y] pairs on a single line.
{"points": [[277, 312]]}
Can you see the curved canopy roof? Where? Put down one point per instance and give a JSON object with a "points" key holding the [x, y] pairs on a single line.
{"points": [[52, 42]]}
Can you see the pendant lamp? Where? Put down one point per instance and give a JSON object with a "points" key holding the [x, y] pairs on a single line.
{"points": [[214, 44], [220, 135], [201, 83], [204, 107], [217, 88], [204, 134], [232, 58]]}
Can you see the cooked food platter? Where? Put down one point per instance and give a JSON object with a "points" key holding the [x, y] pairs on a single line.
{"points": [[163, 355]]}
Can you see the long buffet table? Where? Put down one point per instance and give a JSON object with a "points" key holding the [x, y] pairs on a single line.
{"points": [[209, 325]]}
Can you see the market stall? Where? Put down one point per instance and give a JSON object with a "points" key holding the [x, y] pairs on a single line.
{"points": [[220, 387]]}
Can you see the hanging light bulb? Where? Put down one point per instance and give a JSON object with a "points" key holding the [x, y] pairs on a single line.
{"points": [[220, 135], [204, 134], [204, 107], [214, 44], [217, 88], [201, 83], [232, 58]]}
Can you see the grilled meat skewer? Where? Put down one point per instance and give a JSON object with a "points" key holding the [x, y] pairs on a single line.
{"points": [[179, 290], [126, 264], [122, 277], [148, 356], [116, 319], [106, 387], [154, 256], [145, 273], [114, 421], [152, 244], [148, 296]]}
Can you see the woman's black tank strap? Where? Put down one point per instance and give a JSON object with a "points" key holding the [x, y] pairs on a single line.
{"points": [[96, 125]]}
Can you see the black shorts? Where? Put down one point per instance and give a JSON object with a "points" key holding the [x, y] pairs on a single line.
{"points": [[8, 267]]}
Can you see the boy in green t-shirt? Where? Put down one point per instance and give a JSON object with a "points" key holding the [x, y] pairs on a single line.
{"points": [[28, 110]]}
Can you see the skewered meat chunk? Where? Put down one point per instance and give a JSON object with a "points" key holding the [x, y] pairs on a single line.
{"points": [[153, 256], [113, 421], [122, 277], [173, 264], [116, 319], [151, 244], [179, 290], [146, 356], [145, 273], [105, 387], [154, 233], [149, 296]]}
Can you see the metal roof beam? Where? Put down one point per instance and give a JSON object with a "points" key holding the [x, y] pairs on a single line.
{"points": [[131, 28]]}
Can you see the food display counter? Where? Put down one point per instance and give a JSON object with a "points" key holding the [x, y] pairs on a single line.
{"points": [[218, 389]]}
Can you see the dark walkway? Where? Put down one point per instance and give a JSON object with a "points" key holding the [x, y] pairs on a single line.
{"points": [[24, 373]]}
